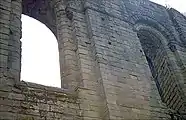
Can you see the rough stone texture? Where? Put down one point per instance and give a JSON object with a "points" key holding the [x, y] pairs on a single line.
{"points": [[119, 59], [28, 101]]}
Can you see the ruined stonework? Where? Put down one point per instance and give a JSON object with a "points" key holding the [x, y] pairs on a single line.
{"points": [[119, 59]]}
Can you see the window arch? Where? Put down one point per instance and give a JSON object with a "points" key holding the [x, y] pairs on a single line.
{"points": [[40, 55], [155, 47], [42, 11]]}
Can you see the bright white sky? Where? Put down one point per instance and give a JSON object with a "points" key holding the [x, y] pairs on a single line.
{"points": [[40, 57], [179, 5]]}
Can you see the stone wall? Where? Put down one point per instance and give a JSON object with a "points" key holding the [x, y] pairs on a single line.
{"points": [[10, 34], [129, 89], [121, 59], [29, 101], [161, 68], [179, 22], [22, 100]]}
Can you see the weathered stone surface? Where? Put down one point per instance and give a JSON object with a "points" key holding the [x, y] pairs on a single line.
{"points": [[120, 59]]}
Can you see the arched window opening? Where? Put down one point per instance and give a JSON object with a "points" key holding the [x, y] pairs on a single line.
{"points": [[152, 49], [153, 44], [40, 55]]}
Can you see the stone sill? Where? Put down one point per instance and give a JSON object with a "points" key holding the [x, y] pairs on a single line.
{"points": [[48, 89]]}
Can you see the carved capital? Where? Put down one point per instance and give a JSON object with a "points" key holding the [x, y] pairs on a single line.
{"points": [[172, 47], [69, 13]]}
